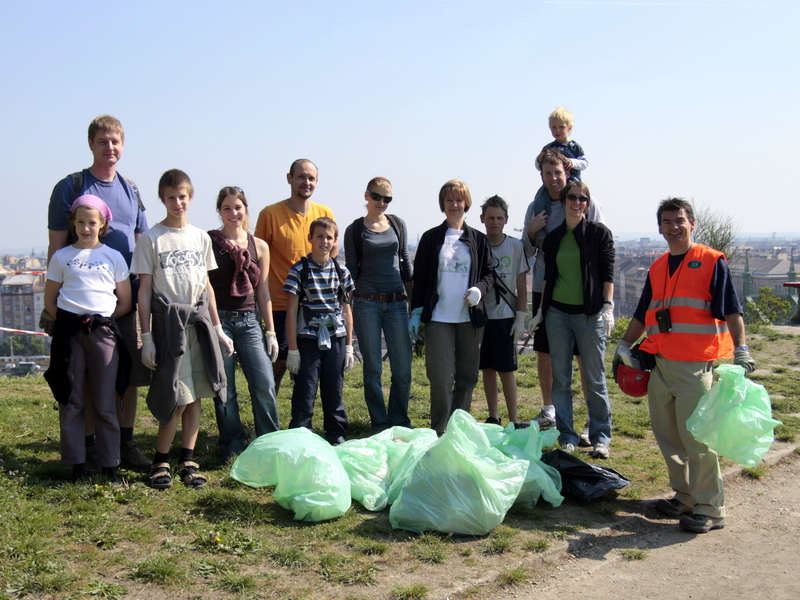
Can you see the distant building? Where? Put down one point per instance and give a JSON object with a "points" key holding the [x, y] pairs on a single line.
{"points": [[21, 301]]}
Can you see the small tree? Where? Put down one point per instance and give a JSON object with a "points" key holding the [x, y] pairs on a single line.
{"points": [[717, 229], [767, 309]]}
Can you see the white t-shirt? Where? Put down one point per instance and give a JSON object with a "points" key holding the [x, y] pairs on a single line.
{"points": [[509, 261], [88, 278], [453, 281], [178, 260]]}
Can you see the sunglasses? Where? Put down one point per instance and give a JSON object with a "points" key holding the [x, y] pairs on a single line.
{"points": [[575, 198], [378, 198]]}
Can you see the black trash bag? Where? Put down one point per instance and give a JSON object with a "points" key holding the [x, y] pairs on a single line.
{"points": [[582, 480]]}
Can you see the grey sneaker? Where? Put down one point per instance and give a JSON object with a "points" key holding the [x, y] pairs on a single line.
{"points": [[544, 421], [701, 523], [672, 507], [132, 458], [570, 448], [600, 450], [585, 441]]}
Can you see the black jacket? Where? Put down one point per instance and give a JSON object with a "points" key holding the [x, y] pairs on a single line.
{"points": [[59, 374], [426, 271], [596, 244]]}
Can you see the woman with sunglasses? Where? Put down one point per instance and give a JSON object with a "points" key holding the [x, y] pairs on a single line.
{"points": [[577, 303], [377, 258], [241, 288]]}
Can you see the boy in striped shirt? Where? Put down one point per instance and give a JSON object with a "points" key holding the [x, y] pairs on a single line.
{"points": [[319, 325]]}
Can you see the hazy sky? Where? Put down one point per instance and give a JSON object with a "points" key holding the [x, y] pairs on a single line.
{"points": [[694, 99]]}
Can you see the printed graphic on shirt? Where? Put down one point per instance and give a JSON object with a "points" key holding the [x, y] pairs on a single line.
{"points": [[181, 259], [86, 265]]}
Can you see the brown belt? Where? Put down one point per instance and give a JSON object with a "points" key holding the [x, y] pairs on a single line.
{"points": [[383, 297]]}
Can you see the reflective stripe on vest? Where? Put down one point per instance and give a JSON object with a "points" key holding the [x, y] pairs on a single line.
{"points": [[695, 335]]}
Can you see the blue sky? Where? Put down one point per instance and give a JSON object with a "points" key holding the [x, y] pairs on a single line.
{"points": [[694, 99]]}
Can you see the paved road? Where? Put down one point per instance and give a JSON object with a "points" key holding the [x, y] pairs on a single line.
{"points": [[757, 556]]}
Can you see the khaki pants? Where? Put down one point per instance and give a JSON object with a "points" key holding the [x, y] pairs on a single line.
{"points": [[675, 388]]}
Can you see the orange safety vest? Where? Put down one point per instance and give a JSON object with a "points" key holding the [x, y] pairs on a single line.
{"points": [[696, 335]]}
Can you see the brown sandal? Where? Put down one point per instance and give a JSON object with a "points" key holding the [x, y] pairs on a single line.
{"points": [[160, 476], [187, 471]]}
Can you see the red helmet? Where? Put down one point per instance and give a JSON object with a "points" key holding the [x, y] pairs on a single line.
{"points": [[632, 381]]}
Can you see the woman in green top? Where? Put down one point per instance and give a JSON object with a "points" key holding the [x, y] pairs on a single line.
{"points": [[577, 301]]}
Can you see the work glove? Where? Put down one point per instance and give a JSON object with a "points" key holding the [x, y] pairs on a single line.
{"points": [[293, 362], [533, 322], [47, 322], [148, 350], [413, 323], [224, 340], [607, 314], [518, 328], [272, 345], [349, 359], [743, 359], [622, 355], [473, 296]]}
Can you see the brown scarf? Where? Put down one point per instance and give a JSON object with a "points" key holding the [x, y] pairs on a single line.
{"points": [[245, 277]]}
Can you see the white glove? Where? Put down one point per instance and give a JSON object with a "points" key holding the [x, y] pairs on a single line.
{"points": [[518, 328], [533, 323], [349, 359], [148, 350], [224, 340], [473, 296], [293, 362], [272, 345], [607, 314]]}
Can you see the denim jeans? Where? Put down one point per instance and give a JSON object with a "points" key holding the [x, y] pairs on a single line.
{"points": [[563, 332], [370, 317], [323, 369], [248, 341]]}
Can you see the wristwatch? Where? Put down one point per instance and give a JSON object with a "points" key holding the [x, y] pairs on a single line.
{"points": [[743, 348], [611, 302]]}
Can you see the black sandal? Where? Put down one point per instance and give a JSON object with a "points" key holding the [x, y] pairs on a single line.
{"points": [[160, 476], [187, 471]]}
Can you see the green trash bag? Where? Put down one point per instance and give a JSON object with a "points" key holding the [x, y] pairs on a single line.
{"points": [[367, 464], [541, 480], [461, 485], [308, 476], [404, 448], [734, 418]]}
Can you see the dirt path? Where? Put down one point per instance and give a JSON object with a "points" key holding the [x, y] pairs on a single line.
{"points": [[755, 556]]}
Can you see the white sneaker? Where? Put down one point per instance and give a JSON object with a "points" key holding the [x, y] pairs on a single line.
{"points": [[569, 448], [585, 441], [600, 450]]}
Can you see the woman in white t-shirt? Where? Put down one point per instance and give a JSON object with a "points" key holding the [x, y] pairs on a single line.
{"points": [[87, 288], [452, 274]]}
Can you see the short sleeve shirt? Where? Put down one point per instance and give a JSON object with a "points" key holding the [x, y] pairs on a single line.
{"points": [[509, 261], [88, 279], [286, 233], [177, 259]]}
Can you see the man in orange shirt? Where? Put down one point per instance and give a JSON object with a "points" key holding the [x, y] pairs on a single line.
{"points": [[285, 227]]}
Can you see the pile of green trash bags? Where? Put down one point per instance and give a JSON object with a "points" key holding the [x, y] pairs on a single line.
{"points": [[463, 482], [734, 418]]}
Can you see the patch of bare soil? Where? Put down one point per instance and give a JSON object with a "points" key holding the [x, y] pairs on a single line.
{"points": [[754, 556]]}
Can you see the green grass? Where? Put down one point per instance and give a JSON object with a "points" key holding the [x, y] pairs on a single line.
{"points": [[633, 554], [62, 540]]}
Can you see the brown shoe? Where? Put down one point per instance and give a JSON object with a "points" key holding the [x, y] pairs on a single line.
{"points": [[132, 458]]}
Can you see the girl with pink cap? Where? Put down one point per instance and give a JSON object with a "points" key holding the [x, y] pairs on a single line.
{"points": [[87, 287]]}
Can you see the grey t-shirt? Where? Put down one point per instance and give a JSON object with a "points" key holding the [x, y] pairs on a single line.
{"points": [[379, 271]]}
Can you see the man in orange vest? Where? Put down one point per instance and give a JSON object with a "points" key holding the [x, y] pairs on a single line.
{"points": [[691, 316]]}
